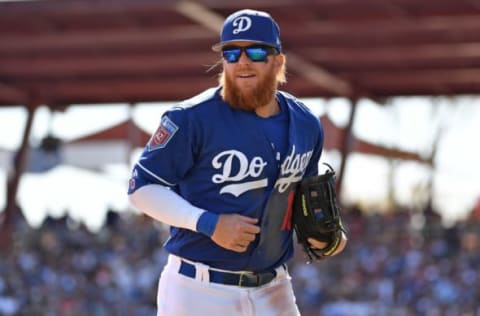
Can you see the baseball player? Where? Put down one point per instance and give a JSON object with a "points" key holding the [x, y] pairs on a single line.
{"points": [[221, 170]]}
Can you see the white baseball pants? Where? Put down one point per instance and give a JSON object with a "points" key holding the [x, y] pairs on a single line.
{"points": [[180, 295]]}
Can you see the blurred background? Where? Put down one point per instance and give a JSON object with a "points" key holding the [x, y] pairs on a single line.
{"points": [[395, 83]]}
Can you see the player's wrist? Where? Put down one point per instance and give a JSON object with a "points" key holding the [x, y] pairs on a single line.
{"points": [[206, 223]]}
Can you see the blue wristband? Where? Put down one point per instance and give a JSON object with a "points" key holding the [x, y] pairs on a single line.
{"points": [[206, 223]]}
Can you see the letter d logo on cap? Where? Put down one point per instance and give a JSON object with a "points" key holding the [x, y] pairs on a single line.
{"points": [[242, 24]]}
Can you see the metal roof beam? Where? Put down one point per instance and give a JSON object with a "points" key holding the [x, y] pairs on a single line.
{"points": [[12, 95], [103, 40]]}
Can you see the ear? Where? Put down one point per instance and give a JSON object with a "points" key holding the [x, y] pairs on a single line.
{"points": [[279, 60]]}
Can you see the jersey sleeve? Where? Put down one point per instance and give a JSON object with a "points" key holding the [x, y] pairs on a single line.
{"points": [[168, 155]]}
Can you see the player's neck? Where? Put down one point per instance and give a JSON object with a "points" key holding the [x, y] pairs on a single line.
{"points": [[269, 109]]}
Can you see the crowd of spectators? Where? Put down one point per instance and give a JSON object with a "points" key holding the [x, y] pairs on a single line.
{"points": [[398, 263]]}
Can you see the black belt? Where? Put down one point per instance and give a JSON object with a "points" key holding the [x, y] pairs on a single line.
{"points": [[230, 278]]}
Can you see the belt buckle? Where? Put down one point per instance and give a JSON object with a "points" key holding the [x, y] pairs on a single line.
{"points": [[246, 277], [240, 279]]}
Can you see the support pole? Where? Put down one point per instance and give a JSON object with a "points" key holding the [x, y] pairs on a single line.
{"points": [[346, 146], [13, 179]]}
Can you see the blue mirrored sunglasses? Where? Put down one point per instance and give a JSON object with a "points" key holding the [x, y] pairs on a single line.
{"points": [[254, 53]]}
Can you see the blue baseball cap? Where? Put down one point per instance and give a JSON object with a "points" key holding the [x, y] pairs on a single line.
{"points": [[252, 26]]}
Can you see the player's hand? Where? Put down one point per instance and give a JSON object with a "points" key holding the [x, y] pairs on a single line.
{"points": [[320, 244], [235, 232]]}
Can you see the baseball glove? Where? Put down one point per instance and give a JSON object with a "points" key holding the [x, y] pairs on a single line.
{"points": [[316, 214]]}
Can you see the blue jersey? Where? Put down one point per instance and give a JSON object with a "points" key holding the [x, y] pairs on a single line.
{"points": [[220, 159]]}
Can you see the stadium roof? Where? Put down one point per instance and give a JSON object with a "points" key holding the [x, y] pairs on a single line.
{"points": [[93, 51]]}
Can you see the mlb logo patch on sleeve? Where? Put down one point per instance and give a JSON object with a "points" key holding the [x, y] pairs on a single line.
{"points": [[163, 134]]}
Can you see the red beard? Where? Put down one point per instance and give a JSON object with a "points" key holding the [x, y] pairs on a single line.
{"points": [[251, 99]]}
